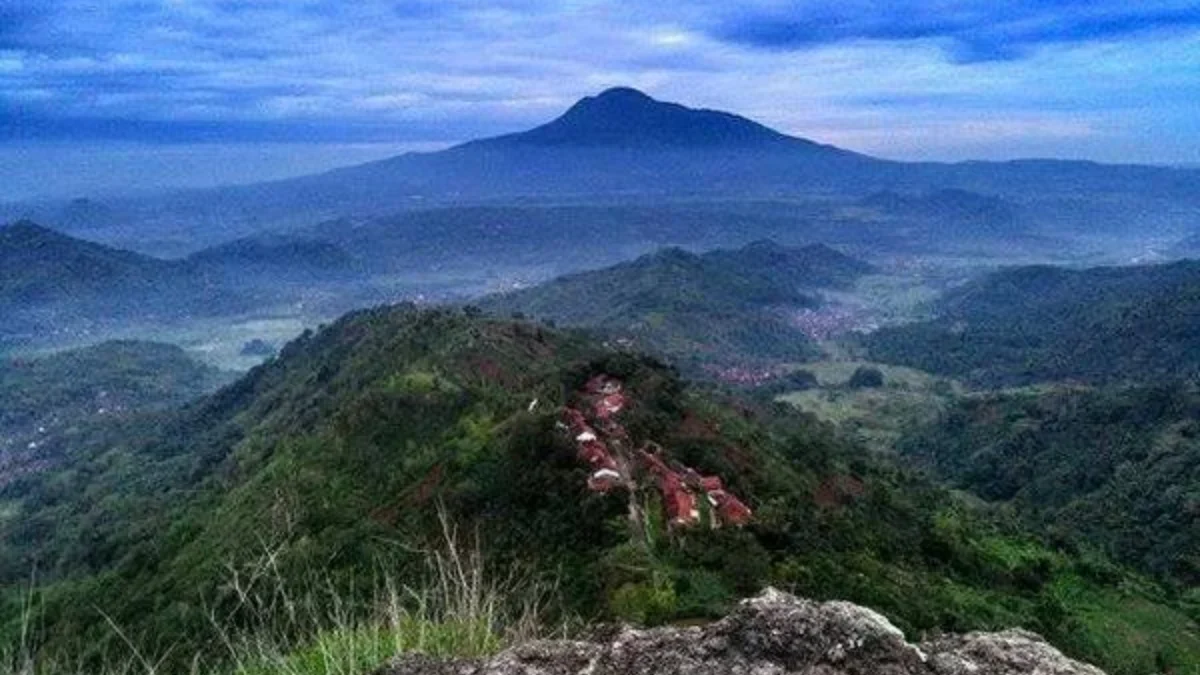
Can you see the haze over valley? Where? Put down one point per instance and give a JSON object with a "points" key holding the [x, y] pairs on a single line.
{"points": [[616, 176]]}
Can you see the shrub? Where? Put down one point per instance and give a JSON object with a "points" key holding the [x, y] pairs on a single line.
{"points": [[646, 604]]}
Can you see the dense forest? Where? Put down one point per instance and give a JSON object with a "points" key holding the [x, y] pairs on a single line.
{"points": [[1116, 467], [1041, 324]]}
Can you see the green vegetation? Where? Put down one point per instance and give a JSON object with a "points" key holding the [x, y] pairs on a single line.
{"points": [[865, 377], [52, 284], [38, 265], [456, 609], [875, 417], [324, 470], [1117, 467], [725, 306], [1043, 324], [112, 376]]}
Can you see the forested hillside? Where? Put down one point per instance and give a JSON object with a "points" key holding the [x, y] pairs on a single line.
{"points": [[48, 403], [722, 306], [338, 455], [1041, 324], [113, 376], [41, 266], [1117, 468]]}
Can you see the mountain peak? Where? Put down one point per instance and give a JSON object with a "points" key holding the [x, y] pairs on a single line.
{"points": [[627, 118], [623, 94]]}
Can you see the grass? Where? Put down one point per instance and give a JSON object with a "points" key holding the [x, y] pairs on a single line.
{"points": [[877, 417], [459, 609], [1129, 630]]}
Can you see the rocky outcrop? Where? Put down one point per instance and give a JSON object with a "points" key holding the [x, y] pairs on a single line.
{"points": [[773, 634]]}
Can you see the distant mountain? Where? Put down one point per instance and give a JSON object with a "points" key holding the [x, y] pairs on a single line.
{"points": [[624, 145], [812, 266], [51, 282], [722, 306], [278, 255], [40, 266], [573, 237], [946, 211], [1040, 323], [620, 142], [82, 214]]}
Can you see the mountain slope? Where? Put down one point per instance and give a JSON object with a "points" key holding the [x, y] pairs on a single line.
{"points": [[623, 142], [1117, 468], [39, 265], [332, 457], [278, 256], [575, 237], [723, 306], [949, 213], [118, 375], [1034, 324], [52, 284], [813, 266]]}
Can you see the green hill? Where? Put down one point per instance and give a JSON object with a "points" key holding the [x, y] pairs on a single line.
{"points": [[329, 463], [115, 376], [1116, 467], [1040, 324], [52, 406], [39, 266], [720, 306], [52, 283], [278, 256]]}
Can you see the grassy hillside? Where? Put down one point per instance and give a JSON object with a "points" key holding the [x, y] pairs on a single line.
{"points": [[328, 464], [876, 417], [721, 306], [1040, 324]]}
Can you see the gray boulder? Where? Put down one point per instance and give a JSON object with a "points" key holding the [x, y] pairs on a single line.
{"points": [[772, 634]]}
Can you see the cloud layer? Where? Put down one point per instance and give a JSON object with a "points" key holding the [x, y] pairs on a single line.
{"points": [[969, 31]]}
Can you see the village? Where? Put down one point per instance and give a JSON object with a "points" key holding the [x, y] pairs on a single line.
{"points": [[689, 499]]}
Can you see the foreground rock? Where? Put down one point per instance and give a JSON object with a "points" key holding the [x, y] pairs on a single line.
{"points": [[772, 634]]}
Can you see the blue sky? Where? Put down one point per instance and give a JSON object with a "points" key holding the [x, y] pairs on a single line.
{"points": [[110, 94]]}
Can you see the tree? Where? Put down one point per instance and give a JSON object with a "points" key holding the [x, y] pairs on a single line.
{"points": [[865, 377]]}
